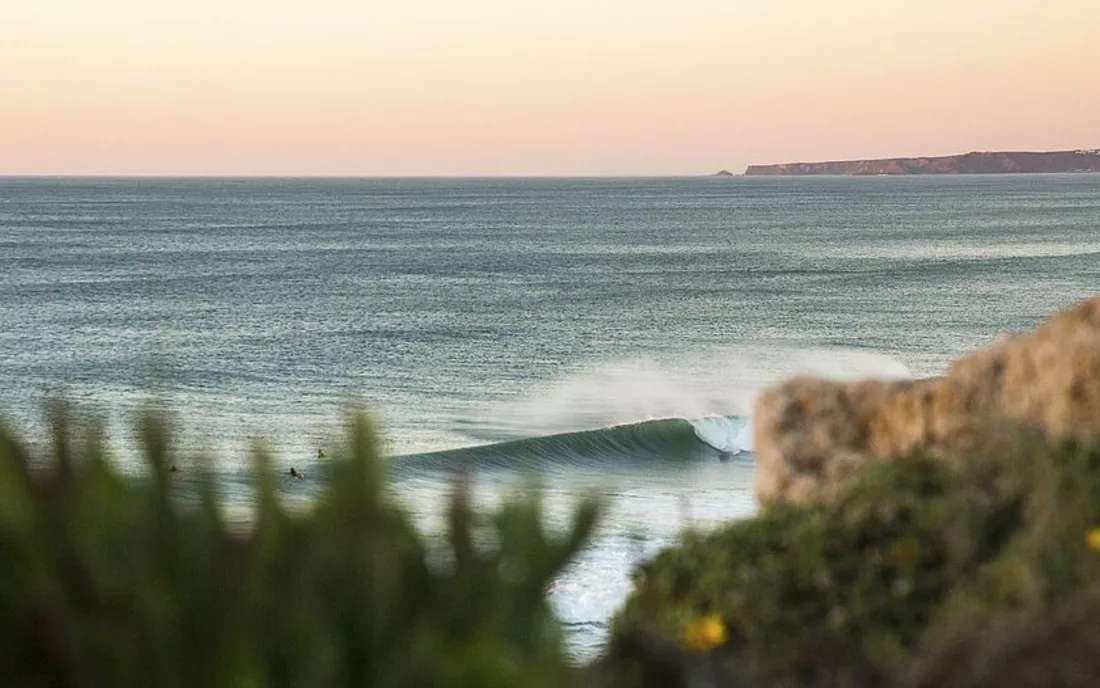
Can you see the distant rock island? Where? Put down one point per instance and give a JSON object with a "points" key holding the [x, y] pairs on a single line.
{"points": [[969, 163], [723, 173]]}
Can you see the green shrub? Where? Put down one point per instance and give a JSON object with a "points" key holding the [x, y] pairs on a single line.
{"points": [[862, 585], [109, 581]]}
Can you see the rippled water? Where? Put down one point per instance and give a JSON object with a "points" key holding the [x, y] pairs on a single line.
{"points": [[479, 312]]}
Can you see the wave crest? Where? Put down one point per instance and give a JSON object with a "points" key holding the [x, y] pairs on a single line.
{"points": [[666, 441], [730, 435]]}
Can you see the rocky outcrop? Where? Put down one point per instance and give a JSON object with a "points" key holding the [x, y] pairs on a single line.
{"points": [[813, 436], [969, 163]]}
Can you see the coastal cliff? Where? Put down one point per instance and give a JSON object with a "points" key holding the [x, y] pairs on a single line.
{"points": [[969, 163], [813, 437]]}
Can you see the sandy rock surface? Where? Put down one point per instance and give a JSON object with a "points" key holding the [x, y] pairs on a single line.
{"points": [[812, 436]]}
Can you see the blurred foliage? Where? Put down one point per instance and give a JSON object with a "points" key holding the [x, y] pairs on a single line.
{"points": [[110, 581], [864, 589], [977, 570]]}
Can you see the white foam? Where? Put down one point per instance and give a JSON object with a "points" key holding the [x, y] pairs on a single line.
{"points": [[729, 435]]}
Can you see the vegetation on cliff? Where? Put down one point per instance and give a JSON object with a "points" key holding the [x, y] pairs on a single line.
{"points": [[881, 584]]}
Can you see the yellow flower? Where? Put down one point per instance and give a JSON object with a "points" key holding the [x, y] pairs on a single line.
{"points": [[1092, 539], [705, 633]]}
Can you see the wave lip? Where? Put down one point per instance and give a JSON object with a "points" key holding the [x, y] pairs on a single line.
{"points": [[727, 434], [668, 441]]}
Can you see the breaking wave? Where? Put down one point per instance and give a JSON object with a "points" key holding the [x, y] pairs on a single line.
{"points": [[670, 440]]}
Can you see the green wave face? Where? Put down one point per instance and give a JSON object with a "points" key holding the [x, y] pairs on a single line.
{"points": [[667, 441]]}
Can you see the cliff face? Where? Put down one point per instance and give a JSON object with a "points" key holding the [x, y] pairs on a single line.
{"points": [[970, 163], [813, 436]]}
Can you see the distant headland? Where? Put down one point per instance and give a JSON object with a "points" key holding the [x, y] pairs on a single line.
{"points": [[969, 163]]}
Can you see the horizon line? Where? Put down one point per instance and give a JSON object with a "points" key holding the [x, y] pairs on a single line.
{"points": [[170, 175]]}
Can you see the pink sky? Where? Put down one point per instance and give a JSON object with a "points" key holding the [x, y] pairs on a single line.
{"points": [[535, 87]]}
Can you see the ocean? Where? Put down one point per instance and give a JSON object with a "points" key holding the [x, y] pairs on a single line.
{"points": [[592, 335]]}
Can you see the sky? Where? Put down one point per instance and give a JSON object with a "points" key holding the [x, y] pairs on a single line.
{"points": [[534, 87]]}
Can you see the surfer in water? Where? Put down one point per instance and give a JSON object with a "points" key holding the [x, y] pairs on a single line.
{"points": [[727, 454], [296, 474]]}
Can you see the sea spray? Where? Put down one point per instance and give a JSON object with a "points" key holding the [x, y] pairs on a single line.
{"points": [[697, 385]]}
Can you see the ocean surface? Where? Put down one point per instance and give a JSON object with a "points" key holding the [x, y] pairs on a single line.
{"points": [[604, 335]]}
